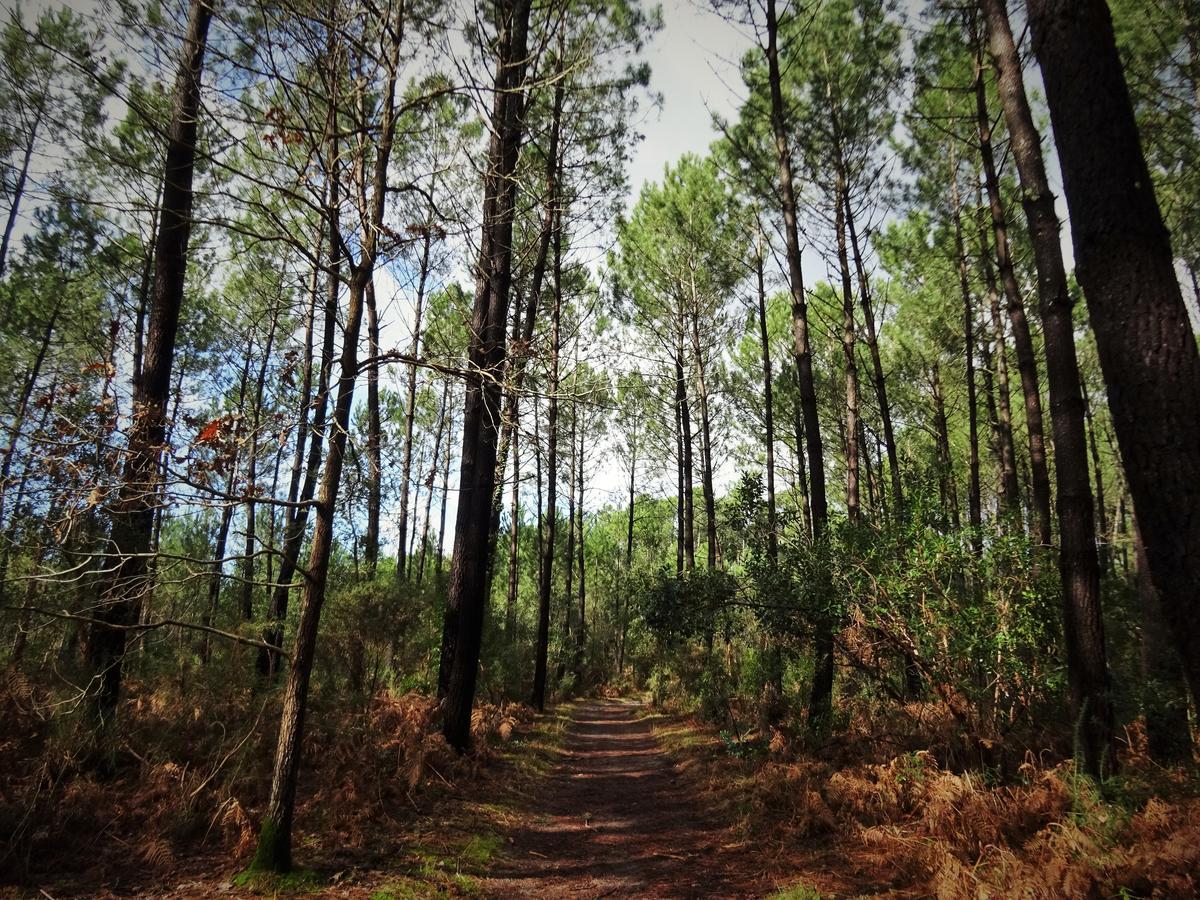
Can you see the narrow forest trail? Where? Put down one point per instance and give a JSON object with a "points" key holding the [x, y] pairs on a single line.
{"points": [[616, 819]]}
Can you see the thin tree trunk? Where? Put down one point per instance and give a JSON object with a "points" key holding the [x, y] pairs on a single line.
{"points": [[1102, 527], [1010, 488], [885, 410], [974, 496], [133, 515], [1022, 340], [248, 566], [768, 417], [410, 412], [685, 442], [581, 632], [218, 566], [569, 585], [514, 541], [19, 190], [546, 564], [437, 449], [821, 694], [706, 463], [849, 338], [274, 851], [949, 493], [374, 433], [441, 545], [297, 522]]}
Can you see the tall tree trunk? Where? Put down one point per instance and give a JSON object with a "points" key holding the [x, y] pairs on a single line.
{"points": [[523, 325], [19, 189], [821, 694], [546, 563], [133, 514], [1010, 487], [274, 851], [849, 339], [216, 577], [275, 839], [466, 601], [569, 580], [248, 557], [410, 410], [433, 468], [685, 444], [706, 462], [441, 544], [1125, 266], [679, 513], [880, 379], [1105, 538], [514, 541], [1022, 340], [974, 498], [1164, 690], [949, 493], [374, 433], [768, 416], [297, 521], [1083, 626], [581, 632]]}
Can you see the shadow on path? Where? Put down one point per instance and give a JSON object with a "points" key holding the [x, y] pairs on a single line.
{"points": [[615, 820]]}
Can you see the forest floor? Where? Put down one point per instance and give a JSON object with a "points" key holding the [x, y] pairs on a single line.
{"points": [[599, 798]]}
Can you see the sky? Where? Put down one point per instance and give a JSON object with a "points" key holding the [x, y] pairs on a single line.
{"points": [[694, 67]]}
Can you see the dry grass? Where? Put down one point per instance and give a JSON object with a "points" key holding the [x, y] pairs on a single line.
{"points": [[193, 778], [906, 823]]}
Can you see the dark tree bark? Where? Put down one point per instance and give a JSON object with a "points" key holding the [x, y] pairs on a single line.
{"points": [[1022, 340], [410, 410], [849, 340], [706, 462], [1083, 626], [821, 694], [133, 514], [433, 469], [1102, 532], [296, 524], [374, 429], [974, 498], [997, 368], [1164, 690], [274, 851], [468, 575], [581, 631], [248, 557], [216, 577], [880, 379], [768, 418], [946, 484], [684, 418], [569, 580], [19, 187], [546, 563], [1126, 269], [441, 544]]}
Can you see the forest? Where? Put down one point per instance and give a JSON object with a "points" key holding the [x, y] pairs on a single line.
{"points": [[399, 497]]}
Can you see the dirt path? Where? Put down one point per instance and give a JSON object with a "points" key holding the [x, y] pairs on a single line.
{"points": [[616, 820]]}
